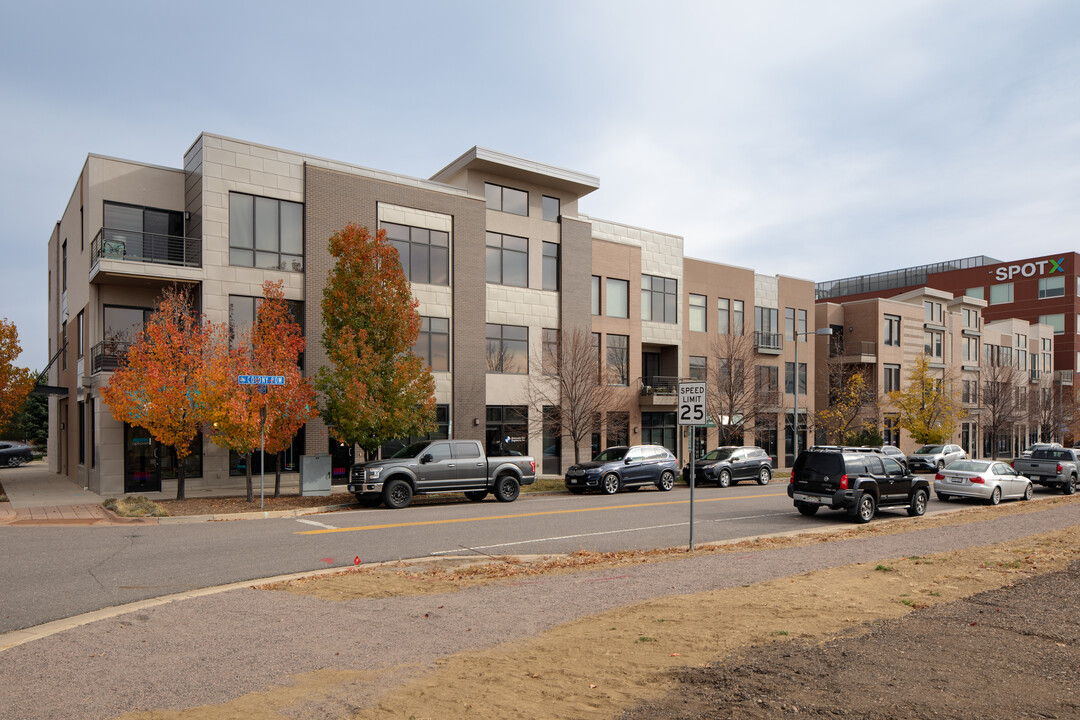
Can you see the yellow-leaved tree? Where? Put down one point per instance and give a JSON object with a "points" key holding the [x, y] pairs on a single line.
{"points": [[929, 406]]}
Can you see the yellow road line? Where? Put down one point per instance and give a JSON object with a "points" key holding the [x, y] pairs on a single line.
{"points": [[532, 514]]}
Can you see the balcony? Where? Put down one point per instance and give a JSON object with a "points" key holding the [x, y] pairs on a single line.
{"points": [[854, 351], [768, 343], [659, 390], [106, 356], [143, 247]]}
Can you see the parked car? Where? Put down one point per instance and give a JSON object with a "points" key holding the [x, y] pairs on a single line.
{"points": [[930, 458], [728, 465], [1053, 467], [624, 467], [14, 454], [1038, 446], [987, 480], [857, 482], [895, 453], [440, 466]]}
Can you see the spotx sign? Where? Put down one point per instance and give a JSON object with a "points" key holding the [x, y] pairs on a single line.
{"points": [[1030, 269]]}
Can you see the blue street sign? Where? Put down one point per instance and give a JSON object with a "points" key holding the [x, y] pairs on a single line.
{"points": [[261, 379]]}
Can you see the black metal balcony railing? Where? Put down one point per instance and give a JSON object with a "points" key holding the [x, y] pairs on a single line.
{"points": [[133, 246], [768, 341], [659, 385], [852, 347], [106, 356]]}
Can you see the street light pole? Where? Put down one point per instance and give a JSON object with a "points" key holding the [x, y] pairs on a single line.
{"points": [[795, 374]]}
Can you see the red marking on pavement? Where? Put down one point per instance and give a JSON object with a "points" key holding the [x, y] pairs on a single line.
{"points": [[327, 560]]}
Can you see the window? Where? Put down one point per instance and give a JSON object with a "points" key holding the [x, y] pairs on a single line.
{"points": [[802, 378], [618, 428], [699, 369], [1052, 287], [82, 432], [433, 343], [969, 391], [243, 309], [597, 356], [932, 343], [660, 428], [63, 265], [892, 330], [891, 379], [595, 295], [266, 233], [768, 378], [659, 299], [697, 313], [618, 357], [507, 260], [441, 432], [507, 430], [932, 312], [1055, 321], [976, 292], [508, 349], [723, 320], [891, 430], [1002, 293], [133, 232], [79, 333], [789, 378], [618, 298], [789, 324], [63, 345], [551, 208], [93, 436], [549, 358], [766, 319], [971, 318], [802, 326], [971, 349], [551, 266], [424, 254], [737, 325], [506, 199]]}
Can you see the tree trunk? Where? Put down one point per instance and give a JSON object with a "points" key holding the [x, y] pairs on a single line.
{"points": [[250, 489], [179, 476], [277, 473]]}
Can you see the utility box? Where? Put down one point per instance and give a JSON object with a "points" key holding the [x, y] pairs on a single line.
{"points": [[315, 474]]}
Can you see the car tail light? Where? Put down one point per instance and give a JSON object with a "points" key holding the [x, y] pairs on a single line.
{"points": [[977, 480], [532, 464], [1059, 468], [792, 479], [1012, 464], [843, 481], [939, 476]]}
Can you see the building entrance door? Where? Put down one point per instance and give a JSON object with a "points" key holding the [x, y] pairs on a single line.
{"points": [[142, 465]]}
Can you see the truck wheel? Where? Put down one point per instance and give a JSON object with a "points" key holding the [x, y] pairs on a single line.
{"points": [[476, 495], [807, 509], [764, 476], [723, 479], [507, 488], [1069, 486], [397, 494], [864, 511], [610, 484], [666, 481], [918, 504]]}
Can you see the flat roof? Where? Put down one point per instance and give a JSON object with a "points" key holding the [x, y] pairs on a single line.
{"points": [[478, 158], [895, 279]]}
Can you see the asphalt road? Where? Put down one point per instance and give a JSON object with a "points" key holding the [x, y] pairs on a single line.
{"points": [[47, 573]]}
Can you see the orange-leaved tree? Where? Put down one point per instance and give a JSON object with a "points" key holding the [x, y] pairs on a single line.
{"points": [[15, 382], [375, 389], [157, 384]]}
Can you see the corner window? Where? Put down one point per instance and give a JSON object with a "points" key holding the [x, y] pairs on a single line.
{"points": [[506, 199], [551, 266], [266, 233], [424, 254], [1052, 287], [618, 298], [697, 313], [551, 208], [1001, 293], [659, 299], [508, 349], [507, 260], [433, 343]]}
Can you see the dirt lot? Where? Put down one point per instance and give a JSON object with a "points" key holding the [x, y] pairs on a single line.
{"points": [[984, 631]]}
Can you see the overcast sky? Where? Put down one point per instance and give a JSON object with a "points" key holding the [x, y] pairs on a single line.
{"points": [[815, 139]]}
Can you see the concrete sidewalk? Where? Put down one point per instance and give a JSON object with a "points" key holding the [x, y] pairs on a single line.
{"points": [[36, 496]]}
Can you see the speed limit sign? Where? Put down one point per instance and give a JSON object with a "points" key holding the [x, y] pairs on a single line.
{"points": [[692, 403]]}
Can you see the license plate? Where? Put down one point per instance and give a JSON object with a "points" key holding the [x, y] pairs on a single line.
{"points": [[810, 498], [956, 480], [573, 481]]}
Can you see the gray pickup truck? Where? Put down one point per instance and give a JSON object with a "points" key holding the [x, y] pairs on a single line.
{"points": [[1054, 467], [440, 466]]}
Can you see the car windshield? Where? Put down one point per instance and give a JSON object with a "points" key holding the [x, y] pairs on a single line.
{"points": [[969, 466], [718, 454], [411, 451], [929, 449], [610, 454]]}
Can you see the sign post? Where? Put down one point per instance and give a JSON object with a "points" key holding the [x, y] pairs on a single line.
{"points": [[262, 381], [692, 413]]}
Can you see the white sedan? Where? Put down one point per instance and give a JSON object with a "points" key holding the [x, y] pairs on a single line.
{"points": [[987, 480]]}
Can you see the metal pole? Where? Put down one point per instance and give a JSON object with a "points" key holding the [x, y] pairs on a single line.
{"points": [[795, 383], [692, 428]]}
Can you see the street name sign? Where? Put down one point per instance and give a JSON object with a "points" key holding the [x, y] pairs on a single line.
{"points": [[261, 379]]}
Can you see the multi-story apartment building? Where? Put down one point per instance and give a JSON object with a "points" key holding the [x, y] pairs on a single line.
{"points": [[882, 337], [500, 259]]}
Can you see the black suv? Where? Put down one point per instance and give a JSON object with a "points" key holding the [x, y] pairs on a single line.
{"points": [[857, 482], [624, 467], [728, 465]]}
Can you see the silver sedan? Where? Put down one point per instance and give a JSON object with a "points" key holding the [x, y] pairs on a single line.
{"points": [[987, 480]]}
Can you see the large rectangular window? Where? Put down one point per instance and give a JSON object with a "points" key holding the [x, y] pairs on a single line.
{"points": [[551, 266], [508, 349], [507, 260], [932, 344], [1056, 321], [551, 208], [441, 432], [618, 357], [507, 430], [970, 349], [723, 320], [506, 199], [618, 429], [892, 330], [133, 232], [699, 368], [976, 292], [266, 233], [891, 379], [659, 299], [433, 343], [1001, 293], [618, 298], [549, 358], [766, 319], [1052, 287], [244, 309], [697, 313], [789, 324], [660, 428], [424, 254], [790, 378]]}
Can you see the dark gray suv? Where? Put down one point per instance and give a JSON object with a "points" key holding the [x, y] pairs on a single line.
{"points": [[624, 467], [859, 483]]}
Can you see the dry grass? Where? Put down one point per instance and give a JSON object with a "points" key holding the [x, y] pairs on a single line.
{"points": [[137, 506]]}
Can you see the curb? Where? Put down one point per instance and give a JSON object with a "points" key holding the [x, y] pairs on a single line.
{"points": [[257, 515]]}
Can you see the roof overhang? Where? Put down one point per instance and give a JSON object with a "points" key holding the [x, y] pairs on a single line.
{"points": [[497, 163]]}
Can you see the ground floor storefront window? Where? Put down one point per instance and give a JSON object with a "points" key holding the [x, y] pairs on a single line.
{"points": [[507, 430], [147, 462], [660, 428]]}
